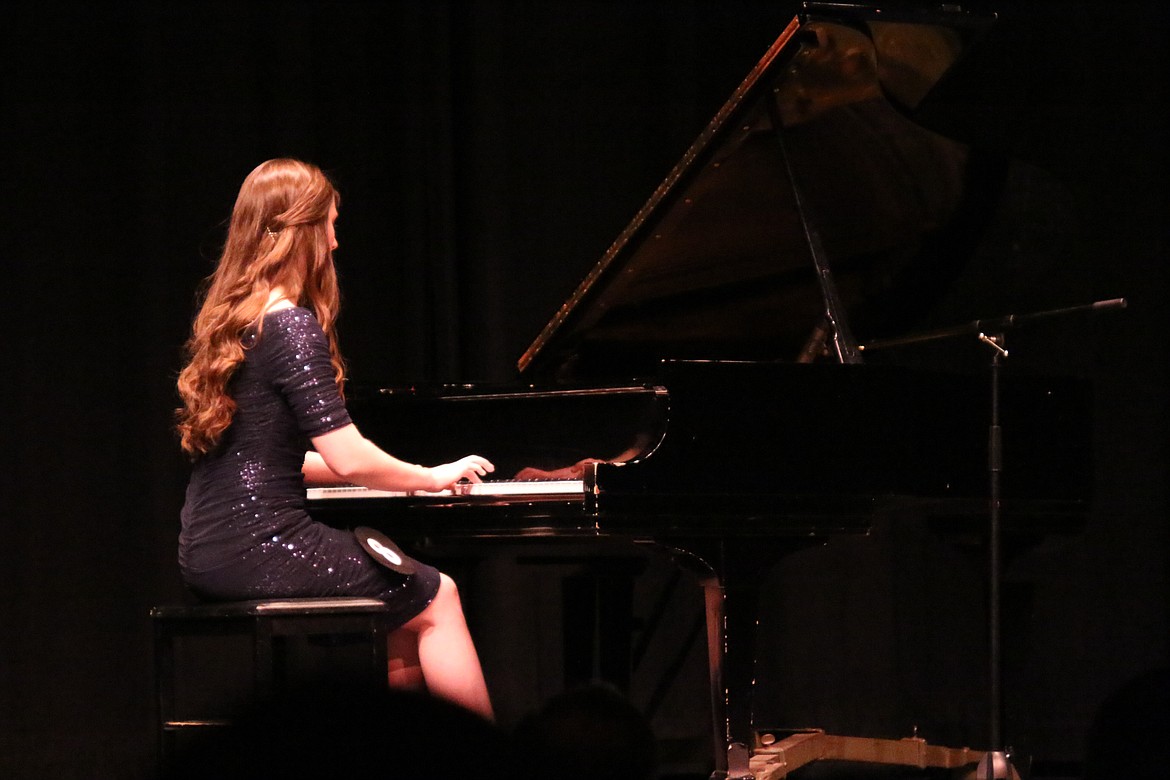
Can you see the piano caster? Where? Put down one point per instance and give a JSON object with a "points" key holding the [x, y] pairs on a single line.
{"points": [[996, 765]]}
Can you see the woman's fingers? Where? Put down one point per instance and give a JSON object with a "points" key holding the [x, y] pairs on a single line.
{"points": [[476, 466]]}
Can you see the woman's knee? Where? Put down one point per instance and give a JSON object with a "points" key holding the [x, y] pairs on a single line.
{"points": [[448, 594], [445, 603]]}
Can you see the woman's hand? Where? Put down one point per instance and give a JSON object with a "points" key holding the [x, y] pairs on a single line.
{"points": [[352, 458], [471, 468]]}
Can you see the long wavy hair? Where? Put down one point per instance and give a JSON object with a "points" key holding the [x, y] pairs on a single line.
{"points": [[276, 239]]}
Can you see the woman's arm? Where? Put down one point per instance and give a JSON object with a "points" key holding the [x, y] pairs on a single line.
{"points": [[347, 456], [317, 473]]}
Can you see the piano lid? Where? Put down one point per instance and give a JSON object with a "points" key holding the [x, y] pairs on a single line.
{"points": [[815, 159]]}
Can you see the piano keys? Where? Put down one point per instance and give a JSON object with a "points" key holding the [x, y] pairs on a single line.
{"points": [[510, 489]]}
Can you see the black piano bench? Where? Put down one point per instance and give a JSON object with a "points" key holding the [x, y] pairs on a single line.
{"points": [[268, 626]]}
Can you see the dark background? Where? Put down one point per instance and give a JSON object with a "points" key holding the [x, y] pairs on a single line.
{"points": [[487, 153]]}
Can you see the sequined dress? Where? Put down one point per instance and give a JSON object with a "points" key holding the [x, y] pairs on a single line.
{"points": [[245, 531]]}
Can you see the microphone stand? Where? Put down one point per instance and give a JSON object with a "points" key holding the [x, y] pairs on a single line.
{"points": [[996, 762]]}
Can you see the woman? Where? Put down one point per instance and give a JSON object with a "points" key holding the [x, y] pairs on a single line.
{"points": [[263, 381]]}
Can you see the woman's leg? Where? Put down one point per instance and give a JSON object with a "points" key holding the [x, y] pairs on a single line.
{"points": [[403, 670], [444, 652]]}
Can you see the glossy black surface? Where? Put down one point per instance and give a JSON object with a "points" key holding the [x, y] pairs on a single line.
{"points": [[746, 449]]}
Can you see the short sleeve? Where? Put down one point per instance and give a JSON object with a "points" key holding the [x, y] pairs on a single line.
{"points": [[303, 371]]}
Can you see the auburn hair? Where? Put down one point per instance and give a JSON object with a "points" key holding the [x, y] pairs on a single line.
{"points": [[276, 239]]}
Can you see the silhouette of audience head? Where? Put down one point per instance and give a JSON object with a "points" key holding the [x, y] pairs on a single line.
{"points": [[591, 732]]}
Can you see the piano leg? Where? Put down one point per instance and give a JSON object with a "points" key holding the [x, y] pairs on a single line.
{"points": [[731, 630], [731, 598], [714, 598]]}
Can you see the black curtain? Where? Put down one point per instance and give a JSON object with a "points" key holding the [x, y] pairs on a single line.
{"points": [[487, 153]]}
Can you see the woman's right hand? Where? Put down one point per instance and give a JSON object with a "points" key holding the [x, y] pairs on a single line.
{"points": [[471, 468]]}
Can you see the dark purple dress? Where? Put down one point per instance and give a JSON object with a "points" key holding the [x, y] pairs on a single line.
{"points": [[246, 534]]}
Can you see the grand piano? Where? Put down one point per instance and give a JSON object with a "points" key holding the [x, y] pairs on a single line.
{"points": [[712, 385]]}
